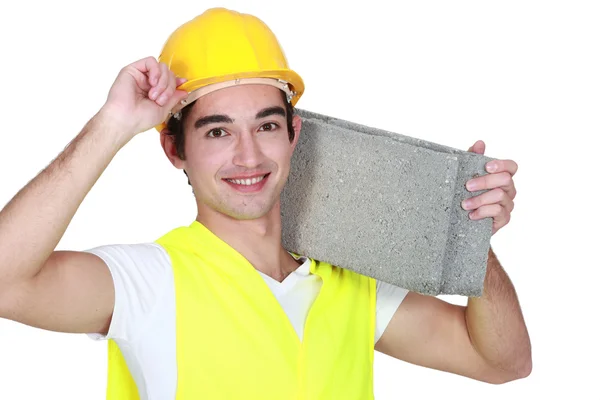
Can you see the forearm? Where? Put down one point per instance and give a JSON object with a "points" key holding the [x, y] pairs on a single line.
{"points": [[34, 221], [496, 325]]}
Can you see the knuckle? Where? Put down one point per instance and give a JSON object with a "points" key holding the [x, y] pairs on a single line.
{"points": [[162, 82], [490, 210], [509, 208], [167, 93], [126, 69], [499, 194], [487, 181]]}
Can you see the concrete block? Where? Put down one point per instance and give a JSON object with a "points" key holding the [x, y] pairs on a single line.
{"points": [[385, 205]]}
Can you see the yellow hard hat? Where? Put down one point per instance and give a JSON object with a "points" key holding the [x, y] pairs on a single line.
{"points": [[222, 48]]}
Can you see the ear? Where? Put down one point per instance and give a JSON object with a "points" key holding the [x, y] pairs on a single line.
{"points": [[297, 125], [168, 144]]}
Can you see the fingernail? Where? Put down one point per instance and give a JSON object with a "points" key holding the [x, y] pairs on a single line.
{"points": [[491, 167], [162, 99], [470, 185], [152, 94], [466, 204]]}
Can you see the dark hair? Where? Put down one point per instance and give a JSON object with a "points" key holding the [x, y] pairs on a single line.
{"points": [[175, 127]]}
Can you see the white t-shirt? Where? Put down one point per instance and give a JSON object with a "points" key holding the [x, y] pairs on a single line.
{"points": [[143, 322]]}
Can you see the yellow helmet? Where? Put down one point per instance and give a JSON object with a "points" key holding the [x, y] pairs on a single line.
{"points": [[222, 48]]}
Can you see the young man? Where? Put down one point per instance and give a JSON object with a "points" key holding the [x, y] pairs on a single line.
{"points": [[218, 309]]}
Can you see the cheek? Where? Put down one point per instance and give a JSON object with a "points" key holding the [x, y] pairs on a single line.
{"points": [[206, 162], [277, 149]]}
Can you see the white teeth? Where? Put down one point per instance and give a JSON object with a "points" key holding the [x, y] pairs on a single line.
{"points": [[247, 182]]}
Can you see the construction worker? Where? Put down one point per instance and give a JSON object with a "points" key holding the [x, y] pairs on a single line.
{"points": [[219, 309]]}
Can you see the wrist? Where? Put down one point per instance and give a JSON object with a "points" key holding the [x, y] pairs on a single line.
{"points": [[110, 121]]}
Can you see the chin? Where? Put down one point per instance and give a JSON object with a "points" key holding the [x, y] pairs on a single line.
{"points": [[249, 212], [245, 215]]}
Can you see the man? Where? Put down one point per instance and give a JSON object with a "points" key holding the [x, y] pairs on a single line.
{"points": [[218, 309]]}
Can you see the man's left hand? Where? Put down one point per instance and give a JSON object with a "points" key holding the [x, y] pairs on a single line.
{"points": [[498, 202]]}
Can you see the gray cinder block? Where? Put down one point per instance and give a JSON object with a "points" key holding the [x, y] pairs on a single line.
{"points": [[385, 205]]}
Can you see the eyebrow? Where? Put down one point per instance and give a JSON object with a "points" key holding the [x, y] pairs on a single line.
{"points": [[219, 118], [212, 119], [276, 110]]}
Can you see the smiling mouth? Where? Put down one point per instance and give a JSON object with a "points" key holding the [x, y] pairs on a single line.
{"points": [[247, 181]]}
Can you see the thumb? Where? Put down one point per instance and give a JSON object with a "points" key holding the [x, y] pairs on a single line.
{"points": [[175, 99], [478, 147]]}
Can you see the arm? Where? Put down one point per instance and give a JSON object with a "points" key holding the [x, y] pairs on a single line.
{"points": [[487, 340], [496, 325], [57, 290], [65, 290]]}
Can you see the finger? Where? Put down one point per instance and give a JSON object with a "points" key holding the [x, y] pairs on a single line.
{"points": [[169, 90], [163, 82], [141, 71], [150, 67], [491, 181], [502, 180], [495, 196], [180, 81], [176, 98], [488, 211], [502, 166], [500, 216], [478, 147], [161, 85]]}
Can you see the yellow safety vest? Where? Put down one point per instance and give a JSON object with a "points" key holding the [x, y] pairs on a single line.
{"points": [[234, 341]]}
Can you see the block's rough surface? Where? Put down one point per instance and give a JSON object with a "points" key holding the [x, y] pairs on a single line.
{"points": [[385, 205]]}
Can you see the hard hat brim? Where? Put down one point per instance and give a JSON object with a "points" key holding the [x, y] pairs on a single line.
{"points": [[291, 77]]}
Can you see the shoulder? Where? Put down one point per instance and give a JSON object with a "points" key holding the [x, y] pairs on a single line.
{"points": [[147, 259], [325, 267], [142, 276], [387, 291], [133, 251], [388, 296], [344, 277]]}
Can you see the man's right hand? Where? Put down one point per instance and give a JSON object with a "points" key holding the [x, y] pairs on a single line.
{"points": [[71, 291], [142, 96]]}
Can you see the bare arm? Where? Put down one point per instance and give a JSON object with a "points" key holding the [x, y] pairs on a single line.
{"points": [[496, 325], [50, 290], [487, 340], [65, 290]]}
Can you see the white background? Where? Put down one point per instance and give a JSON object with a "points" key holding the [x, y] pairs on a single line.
{"points": [[524, 76]]}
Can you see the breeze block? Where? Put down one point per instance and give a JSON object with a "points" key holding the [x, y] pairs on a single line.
{"points": [[385, 205]]}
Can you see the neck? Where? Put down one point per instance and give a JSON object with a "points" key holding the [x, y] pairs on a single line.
{"points": [[257, 240]]}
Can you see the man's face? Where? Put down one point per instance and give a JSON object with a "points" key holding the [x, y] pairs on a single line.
{"points": [[238, 150]]}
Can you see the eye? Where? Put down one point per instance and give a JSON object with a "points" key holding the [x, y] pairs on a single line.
{"points": [[216, 133], [271, 126]]}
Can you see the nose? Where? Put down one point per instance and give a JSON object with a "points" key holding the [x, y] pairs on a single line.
{"points": [[248, 153]]}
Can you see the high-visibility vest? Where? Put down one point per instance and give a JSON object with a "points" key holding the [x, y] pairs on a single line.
{"points": [[234, 341]]}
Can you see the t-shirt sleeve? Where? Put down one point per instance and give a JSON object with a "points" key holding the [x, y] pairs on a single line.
{"points": [[389, 297], [140, 273]]}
